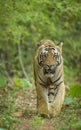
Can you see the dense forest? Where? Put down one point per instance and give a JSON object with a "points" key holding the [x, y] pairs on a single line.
{"points": [[22, 24]]}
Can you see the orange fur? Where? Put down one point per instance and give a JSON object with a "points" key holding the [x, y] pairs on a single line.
{"points": [[43, 104]]}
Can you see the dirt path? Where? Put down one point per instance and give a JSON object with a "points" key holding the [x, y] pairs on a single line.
{"points": [[25, 102]]}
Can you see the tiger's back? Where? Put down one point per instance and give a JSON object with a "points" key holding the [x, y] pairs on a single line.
{"points": [[49, 79]]}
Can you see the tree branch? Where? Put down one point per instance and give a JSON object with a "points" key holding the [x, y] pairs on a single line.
{"points": [[20, 59], [9, 78]]}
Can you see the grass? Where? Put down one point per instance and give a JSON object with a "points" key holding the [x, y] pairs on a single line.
{"points": [[36, 121], [23, 100]]}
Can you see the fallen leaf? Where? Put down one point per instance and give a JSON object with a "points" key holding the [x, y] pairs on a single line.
{"points": [[17, 114]]}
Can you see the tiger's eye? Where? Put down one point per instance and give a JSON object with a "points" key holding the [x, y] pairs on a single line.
{"points": [[55, 52], [44, 52]]}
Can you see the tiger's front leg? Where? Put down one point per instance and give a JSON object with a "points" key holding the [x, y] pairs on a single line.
{"points": [[56, 105], [42, 100]]}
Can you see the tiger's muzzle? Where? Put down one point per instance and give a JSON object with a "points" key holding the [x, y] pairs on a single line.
{"points": [[49, 69]]}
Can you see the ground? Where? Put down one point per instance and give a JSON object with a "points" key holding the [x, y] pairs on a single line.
{"points": [[24, 116]]}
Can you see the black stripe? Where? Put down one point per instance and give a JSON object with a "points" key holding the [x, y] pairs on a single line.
{"points": [[55, 88], [59, 62], [50, 93], [50, 101], [56, 93], [59, 83], [41, 80], [51, 88], [42, 85], [57, 79]]}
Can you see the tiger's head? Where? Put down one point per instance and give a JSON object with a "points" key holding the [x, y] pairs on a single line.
{"points": [[49, 56]]}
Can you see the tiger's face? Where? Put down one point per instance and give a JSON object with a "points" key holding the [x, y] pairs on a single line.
{"points": [[49, 59]]}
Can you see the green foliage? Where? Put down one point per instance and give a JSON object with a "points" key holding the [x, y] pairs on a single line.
{"points": [[37, 20], [28, 21], [21, 82], [7, 121], [7, 107], [75, 90], [3, 80], [73, 126], [68, 101], [77, 125], [36, 121], [63, 129]]}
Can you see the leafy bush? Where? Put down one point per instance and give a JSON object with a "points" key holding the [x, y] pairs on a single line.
{"points": [[3, 80], [77, 125], [69, 101], [21, 82], [36, 20], [75, 90]]}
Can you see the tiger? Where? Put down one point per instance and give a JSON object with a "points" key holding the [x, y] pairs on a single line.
{"points": [[49, 77]]}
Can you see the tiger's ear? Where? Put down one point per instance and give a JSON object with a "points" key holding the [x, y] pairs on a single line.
{"points": [[37, 45], [60, 45]]}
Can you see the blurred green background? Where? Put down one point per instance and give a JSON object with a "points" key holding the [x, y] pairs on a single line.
{"points": [[22, 24], [25, 22]]}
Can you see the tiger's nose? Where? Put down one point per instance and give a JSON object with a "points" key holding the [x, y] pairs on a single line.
{"points": [[50, 67]]}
